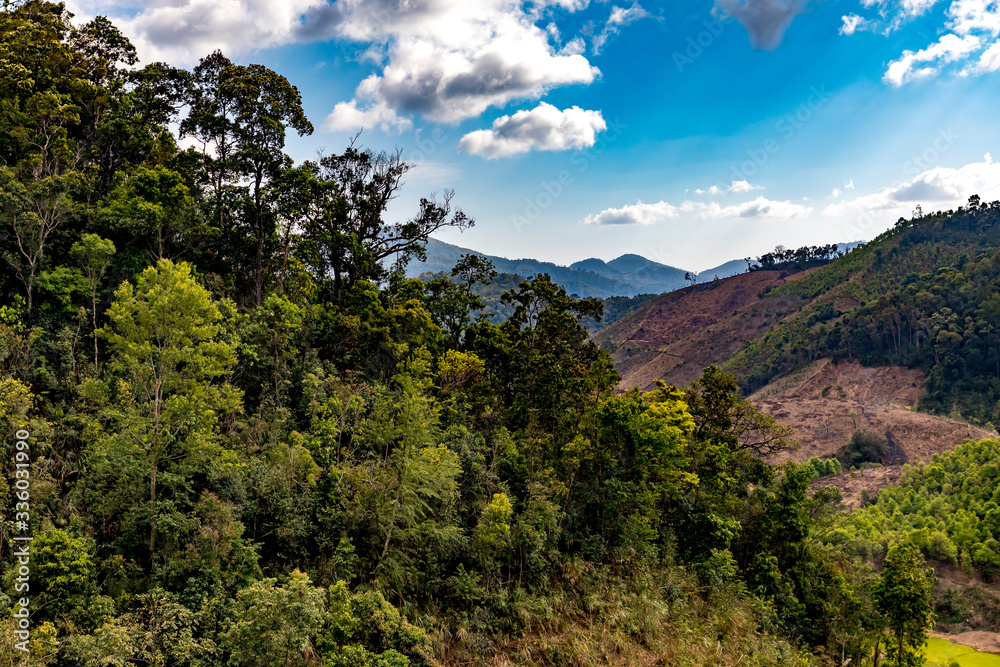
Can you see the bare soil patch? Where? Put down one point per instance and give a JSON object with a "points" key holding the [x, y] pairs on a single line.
{"points": [[826, 402]]}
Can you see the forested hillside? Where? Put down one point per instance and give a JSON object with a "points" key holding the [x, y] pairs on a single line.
{"points": [[249, 441]]}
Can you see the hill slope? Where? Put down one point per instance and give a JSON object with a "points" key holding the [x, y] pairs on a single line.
{"points": [[923, 295], [675, 337]]}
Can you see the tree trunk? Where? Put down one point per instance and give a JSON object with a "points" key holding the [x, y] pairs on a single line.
{"points": [[152, 521], [93, 321]]}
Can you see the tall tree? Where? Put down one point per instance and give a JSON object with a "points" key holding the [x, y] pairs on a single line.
{"points": [[244, 112], [93, 254], [903, 596], [163, 339], [351, 239]]}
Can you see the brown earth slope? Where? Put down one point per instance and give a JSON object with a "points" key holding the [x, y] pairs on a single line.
{"points": [[825, 402], [675, 337]]}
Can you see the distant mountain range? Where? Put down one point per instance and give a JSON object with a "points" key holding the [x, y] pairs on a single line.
{"points": [[627, 275]]}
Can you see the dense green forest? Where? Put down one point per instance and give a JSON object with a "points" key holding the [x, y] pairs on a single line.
{"points": [[923, 294], [253, 441]]}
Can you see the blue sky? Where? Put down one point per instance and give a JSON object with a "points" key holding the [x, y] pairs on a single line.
{"points": [[689, 132]]}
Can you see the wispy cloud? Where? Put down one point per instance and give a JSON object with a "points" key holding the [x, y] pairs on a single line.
{"points": [[642, 213], [735, 187], [927, 62]]}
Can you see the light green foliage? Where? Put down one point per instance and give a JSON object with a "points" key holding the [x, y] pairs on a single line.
{"points": [[93, 254], [160, 633], [824, 467], [903, 598], [154, 207], [65, 576], [492, 534], [269, 344], [947, 507], [363, 630], [168, 364], [274, 624], [64, 284]]}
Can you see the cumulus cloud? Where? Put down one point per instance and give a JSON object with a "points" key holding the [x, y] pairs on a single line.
{"points": [[940, 187], [927, 62], [968, 16], [755, 208], [449, 60], [181, 31], [639, 213], [765, 20], [544, 128], [347, 116], [446, 60]]}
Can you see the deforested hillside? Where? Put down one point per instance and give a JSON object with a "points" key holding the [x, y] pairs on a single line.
{"points": [[676, 336], [923, 295]]}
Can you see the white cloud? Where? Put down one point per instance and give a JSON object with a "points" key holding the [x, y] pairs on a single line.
{"points": [[940, 188], [648, 214], [969, 16], [347, 116], [927, 62], [449, 60], [634, 214], [852, 23], [620, 16], [568, 5], [764, 20], [544, 128], [737, 186], [756, 208], [744, 186], [891, 15], [969, 26], [182, 31], [990, 60]]}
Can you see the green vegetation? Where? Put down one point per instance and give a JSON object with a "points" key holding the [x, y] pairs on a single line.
{"points": [[947, 507], [254, 441], [864, 447], [943, 652], [824, 467]]}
